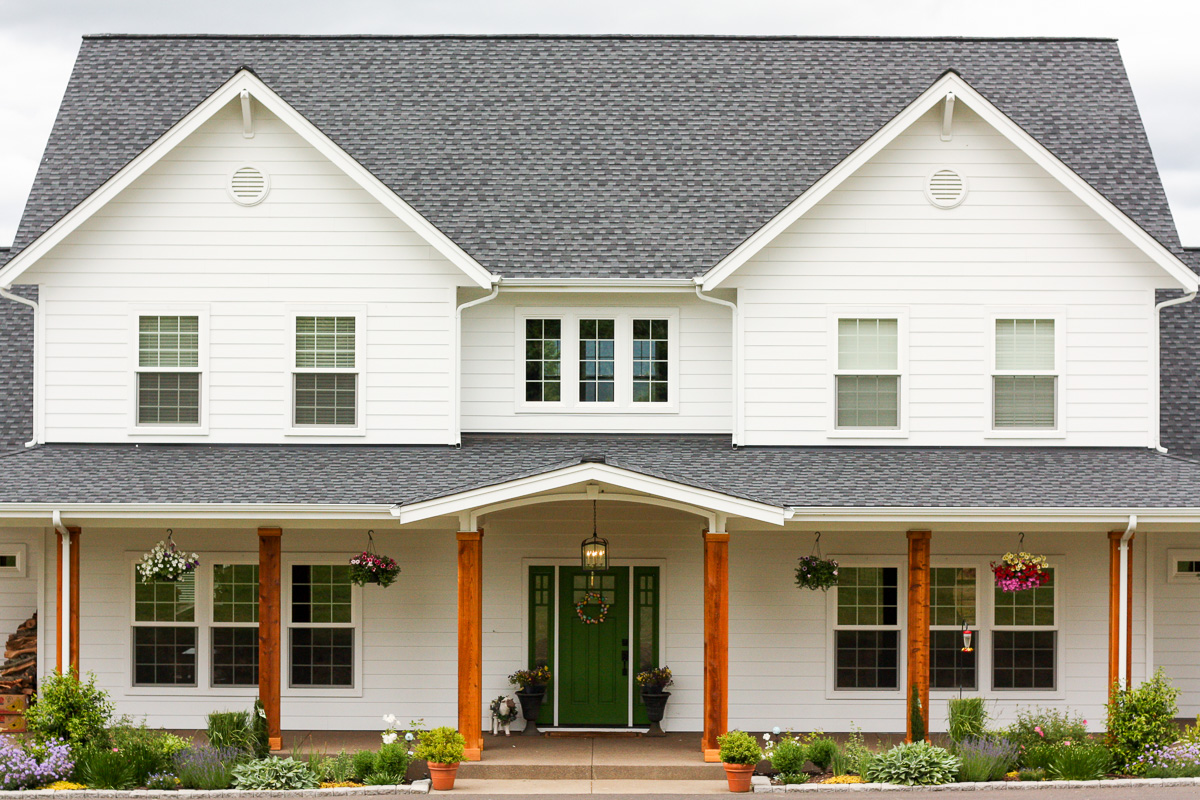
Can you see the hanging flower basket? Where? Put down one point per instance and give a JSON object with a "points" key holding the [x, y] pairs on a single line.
{"points": [[166, 564], [368, 567], [1017, 572], [814, 572]]}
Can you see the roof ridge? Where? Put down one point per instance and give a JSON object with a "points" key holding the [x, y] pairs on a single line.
{"points": [[598, 36]]}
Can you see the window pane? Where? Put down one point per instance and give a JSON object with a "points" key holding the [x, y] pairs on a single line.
{"points": [[867, 596], [949, 666], [650, 362], [235, 656], [168, 398], [543, 360], [1024, 401], [165, 601], [322, 656], [1023, 659], [597, 361], [868, 401], [325, 342], [326, 399], [235, 593], [542, 618], [1029, 607], [952, 596], [168, 341], [867, 344], [164, 656], [867, 659], [320, 593], [1025, 344]]}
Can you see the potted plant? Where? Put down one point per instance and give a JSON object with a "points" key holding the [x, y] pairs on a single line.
{"points": [[368, 567], [166, 564], [653, 681], [531, 690], [740, 753], [442, 750], [1017, 572], [814, 572]]}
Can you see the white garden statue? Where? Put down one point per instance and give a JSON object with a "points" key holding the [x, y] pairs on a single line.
{"points": [[504, 712]]}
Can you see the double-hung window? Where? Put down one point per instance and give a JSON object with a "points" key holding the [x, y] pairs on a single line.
{"points": [[168, 371], [326, 379], [866, 631], [867, 377], [1025, 376], [1025, 638], [164, 632], [543, 360], [597, 360], [952, 610], [321, 626], [234, 629]]}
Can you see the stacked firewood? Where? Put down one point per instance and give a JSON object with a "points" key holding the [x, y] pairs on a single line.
{"points": [[18, 675]]}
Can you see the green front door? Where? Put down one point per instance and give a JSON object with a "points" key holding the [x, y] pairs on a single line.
{"points": [[593, 668]]}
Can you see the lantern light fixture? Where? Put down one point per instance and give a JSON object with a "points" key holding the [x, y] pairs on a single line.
{"points": [[593, 553]]}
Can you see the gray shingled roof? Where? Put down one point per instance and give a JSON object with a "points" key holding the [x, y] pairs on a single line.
{"points": [[1017, 477], [599, 156], [16, 369], [1180, 371]]}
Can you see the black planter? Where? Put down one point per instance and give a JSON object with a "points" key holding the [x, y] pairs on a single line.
{"points": [[531, 706], [656, 707]]}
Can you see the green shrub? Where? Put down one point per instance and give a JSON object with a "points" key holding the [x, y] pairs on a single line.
{"points": [[262, 742], [984, 758], [206, 767], [915, 764], [362, 764], [968, 718], [1191, 733], [1081, 761], [274, 774], [338, 768], [147, 750], [394, 758], [1033, 774], [1036, 731], [739, 747], [853, 756], [103, 768], [788, 757], [916, 718], [383, 779], [792, 777], [1037, 756], [821, 752], [68, 709], [231, 729], [1140, 719], [441, 746]]}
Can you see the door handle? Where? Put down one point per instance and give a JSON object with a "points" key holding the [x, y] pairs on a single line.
{"points": [[624, 663]]}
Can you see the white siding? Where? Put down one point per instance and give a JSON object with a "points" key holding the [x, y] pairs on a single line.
{"points": [[175, 237], [1176, 619], [1019, 240]]}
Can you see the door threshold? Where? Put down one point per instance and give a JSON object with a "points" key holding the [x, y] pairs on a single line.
{"points": [[615, 733]]}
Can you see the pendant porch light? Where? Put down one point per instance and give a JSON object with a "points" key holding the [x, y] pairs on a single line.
{"points": [[593, 553]]}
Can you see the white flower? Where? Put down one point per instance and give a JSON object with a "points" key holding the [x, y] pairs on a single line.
{"points": [[766, 737], [390, 719], [389, 737]]}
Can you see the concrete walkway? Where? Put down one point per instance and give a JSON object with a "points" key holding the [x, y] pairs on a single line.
{"points": [[675, 757]]}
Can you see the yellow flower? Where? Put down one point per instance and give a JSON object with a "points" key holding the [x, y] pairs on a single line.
{"points": [[63, 786], [338, 784], [844, 779]]}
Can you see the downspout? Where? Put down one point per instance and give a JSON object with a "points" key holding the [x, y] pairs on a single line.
{"points": [[735, 360], [456, 427], [1156, 444], [1123, 632], [37, 349], [64, 588]]}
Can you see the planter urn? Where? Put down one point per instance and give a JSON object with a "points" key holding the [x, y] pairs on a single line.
{"points": [[531, 706], [655, 701], [738, 776], [442, 776]]}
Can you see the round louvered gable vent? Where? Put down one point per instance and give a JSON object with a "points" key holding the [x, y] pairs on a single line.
{"points": [[248, 185], [946, 188]]}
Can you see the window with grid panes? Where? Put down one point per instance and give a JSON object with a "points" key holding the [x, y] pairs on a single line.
{"points": [[868, 373], [164, 632], [867, 628], [650, 361], [543, 360], [1025, 383], [597, 361], [168, 372], [1025, 638], [321, 634], [952, 604], [325, 382], [235, 625]]}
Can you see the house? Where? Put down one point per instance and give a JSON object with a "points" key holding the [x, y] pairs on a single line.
{"points": [[720, 301]]}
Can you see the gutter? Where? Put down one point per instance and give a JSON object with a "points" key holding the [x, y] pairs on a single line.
{"points": [[456, 425], [1156, 411], [735, 359], [1123, 597], [64, 587], [6, 293]]}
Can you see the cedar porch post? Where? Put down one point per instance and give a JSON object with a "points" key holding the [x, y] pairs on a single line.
{"points": [[716, 642], [1115, 672], [68, 601], [918, 626], [270, 541], [470, 642]]}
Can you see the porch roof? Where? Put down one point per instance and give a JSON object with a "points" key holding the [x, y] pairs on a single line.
{"points": [[811, 477]]}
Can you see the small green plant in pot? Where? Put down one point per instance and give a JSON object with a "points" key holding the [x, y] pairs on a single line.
{"points": [[739, 753], [653, 683], [531, 691], [442, 749]]}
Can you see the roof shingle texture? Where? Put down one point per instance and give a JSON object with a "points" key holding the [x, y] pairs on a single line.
{"points": [[1180, 371], [598, 156], [1001, 477], [16, 369]]}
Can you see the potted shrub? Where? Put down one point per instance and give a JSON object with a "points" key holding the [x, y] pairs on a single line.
{"points": [[1018, 572], [740, 753], [442, 750], [653, 681], [531, 690]]}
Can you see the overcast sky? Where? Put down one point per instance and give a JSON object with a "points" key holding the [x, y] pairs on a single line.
{"points": [[39, 38]]}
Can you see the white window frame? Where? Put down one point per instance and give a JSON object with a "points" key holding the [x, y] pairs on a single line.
{"points": [[1174, 556], [1059, 315], [623, 318], [19, 552], [360, 369], [835, 315], [201, 312], [211, 599], [982, 588], [1054, 563], [286, 689], [831, 614]]}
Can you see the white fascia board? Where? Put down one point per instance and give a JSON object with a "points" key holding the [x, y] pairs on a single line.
{"points": [[599, 284], [214, 511], [918, 514], [1030, 146], [245, 81], [582, 473]]}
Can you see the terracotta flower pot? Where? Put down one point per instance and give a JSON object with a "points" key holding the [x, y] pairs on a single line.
{"points": [[443, 775], [739, 776]]}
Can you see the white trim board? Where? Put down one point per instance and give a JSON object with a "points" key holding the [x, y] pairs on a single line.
{"points": [[952, 84], [245, 81]]}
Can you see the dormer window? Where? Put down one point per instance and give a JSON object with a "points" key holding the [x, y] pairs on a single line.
{"points": [[1025, 376], [168, 371]]}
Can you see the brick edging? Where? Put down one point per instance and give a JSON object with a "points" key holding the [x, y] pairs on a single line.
{"points": [[416, 787], [762, 784]]}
